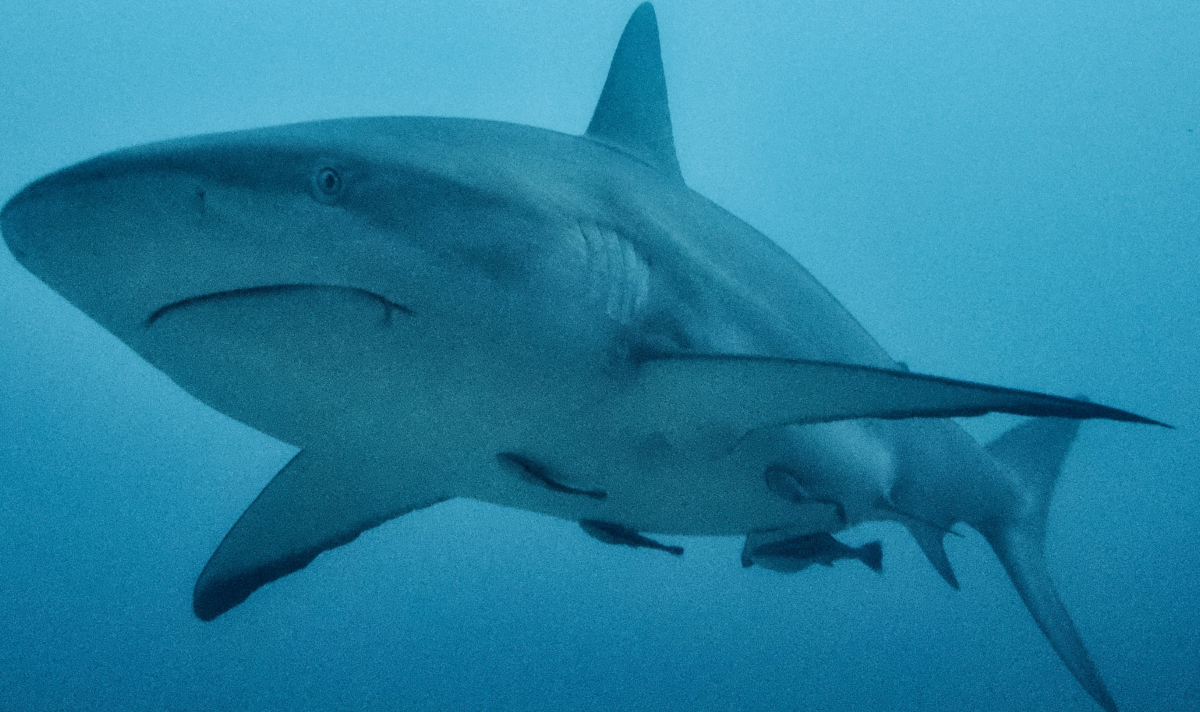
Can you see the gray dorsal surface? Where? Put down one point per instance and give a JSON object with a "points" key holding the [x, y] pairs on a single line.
{"points": [[632, 113]]}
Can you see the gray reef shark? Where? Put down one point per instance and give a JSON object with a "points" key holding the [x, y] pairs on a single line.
{"points": [[433, 308]]}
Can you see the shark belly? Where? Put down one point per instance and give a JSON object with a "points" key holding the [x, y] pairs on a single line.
{"points": [[333, 368]]}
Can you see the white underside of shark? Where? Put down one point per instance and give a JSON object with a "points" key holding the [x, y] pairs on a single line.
{"points": [[435, 308]]}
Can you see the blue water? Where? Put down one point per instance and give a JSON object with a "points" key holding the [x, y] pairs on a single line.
{"points": [[1003, 192]]}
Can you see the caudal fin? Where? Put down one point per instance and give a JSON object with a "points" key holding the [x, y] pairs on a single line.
{"points": [[1035, 450]]}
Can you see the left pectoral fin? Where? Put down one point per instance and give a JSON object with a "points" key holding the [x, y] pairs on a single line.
{"points": [[749, 392], [317, 502]]}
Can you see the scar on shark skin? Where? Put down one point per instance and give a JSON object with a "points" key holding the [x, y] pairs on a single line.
{"points": [[389, 307], [537, 473]]}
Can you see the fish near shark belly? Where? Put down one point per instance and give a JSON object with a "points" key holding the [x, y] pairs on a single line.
{"points": [[849, 463], [791, 554]]}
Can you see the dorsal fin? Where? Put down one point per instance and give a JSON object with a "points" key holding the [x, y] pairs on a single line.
{"points": [[632, 113]]}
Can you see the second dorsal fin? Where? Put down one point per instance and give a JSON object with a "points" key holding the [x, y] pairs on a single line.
{"points": [[632, 113]]}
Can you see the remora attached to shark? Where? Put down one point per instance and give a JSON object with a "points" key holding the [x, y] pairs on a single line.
{"points": [[433, 308]]}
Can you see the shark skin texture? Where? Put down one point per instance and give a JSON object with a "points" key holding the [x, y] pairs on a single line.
{"points": [[432, 308]]}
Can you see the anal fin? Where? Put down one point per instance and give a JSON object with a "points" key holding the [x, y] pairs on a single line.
{"points": [[930, 539]]}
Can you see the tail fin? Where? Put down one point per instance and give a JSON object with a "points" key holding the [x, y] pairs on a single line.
{"points": [[871, 554], [1036, 450]]}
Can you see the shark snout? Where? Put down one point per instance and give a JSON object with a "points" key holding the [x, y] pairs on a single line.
{"points": [[65, 221], [67, 213], [12, 219], [31, 223], [31, 220], [70, 230]]}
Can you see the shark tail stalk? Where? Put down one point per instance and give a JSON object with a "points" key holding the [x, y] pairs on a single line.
{"points": [[1035, 451]]}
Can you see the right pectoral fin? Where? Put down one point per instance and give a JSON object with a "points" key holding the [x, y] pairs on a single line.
{"points": [[315, 503], [689, 394]]}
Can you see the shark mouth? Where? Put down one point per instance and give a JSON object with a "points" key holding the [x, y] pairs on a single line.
{"points": [[389, 307]]}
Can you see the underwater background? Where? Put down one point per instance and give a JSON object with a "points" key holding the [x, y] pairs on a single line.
{"points": [[1005, 192]]}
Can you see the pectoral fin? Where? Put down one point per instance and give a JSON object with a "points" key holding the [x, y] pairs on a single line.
{"points": [[315, 503], [690, 395]]}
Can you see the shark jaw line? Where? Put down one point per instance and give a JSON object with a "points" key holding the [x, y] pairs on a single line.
{"points": [[389, 306]]}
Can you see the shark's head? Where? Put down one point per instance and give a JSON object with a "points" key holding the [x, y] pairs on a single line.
{"points": [[130, 234], [357, 205]]}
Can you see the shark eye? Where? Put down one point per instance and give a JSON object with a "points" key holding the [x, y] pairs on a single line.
{"points": [[328, 183]]}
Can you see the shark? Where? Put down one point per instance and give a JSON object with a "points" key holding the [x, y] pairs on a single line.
{"points": [[431, 308]]}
